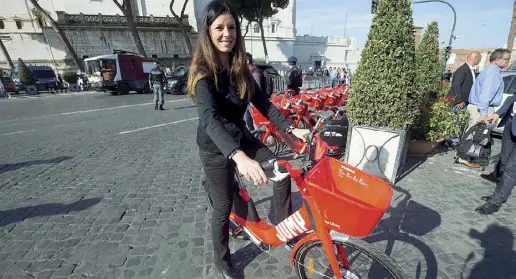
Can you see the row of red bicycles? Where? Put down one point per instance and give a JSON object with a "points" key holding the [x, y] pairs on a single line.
{"points": [[323, 112], [341, 204]]}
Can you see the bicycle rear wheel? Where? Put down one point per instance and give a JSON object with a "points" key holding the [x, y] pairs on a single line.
{"points": [[311, 261]]}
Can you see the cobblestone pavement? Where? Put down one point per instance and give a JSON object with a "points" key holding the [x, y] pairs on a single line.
{"points": [[99, 186]]}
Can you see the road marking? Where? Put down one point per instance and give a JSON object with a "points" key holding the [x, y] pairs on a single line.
{"points": [[17, 132], [118, 107], [156, 126], [86, 111]]}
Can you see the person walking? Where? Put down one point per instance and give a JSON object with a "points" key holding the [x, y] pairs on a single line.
{"points": [[295, 77], [157, 81], [507, 164], [221, 86], [487, 92], [463, 80]]}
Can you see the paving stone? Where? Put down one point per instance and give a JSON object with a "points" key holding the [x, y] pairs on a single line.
{"points": [[80, 200]]}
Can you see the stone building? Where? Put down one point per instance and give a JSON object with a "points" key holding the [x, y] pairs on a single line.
{"points": [[96, 27]]}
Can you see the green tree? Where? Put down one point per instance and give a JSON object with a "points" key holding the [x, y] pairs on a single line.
{"points": [[24, 73], [383, 90], [179, 18], [39, 11], [428, 66], [127, 9]]}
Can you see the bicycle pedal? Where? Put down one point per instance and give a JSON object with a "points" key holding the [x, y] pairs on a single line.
{"points": [[237, 232]]}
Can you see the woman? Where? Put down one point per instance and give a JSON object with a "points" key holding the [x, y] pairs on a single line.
{"points": [[222, 86]]}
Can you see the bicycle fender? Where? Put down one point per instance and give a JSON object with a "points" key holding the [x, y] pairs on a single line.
{"points": [[298, 245]]}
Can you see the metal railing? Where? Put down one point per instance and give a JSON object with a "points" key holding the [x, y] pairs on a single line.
{"points": [[309, 83]]}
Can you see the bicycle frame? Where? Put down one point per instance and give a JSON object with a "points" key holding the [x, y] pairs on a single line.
{"points": [[307, 220]]}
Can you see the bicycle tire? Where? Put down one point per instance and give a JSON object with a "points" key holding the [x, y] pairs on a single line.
{"points": [[380, 257]]}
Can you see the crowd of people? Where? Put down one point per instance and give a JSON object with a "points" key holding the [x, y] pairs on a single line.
{"points": [[480, 94]]}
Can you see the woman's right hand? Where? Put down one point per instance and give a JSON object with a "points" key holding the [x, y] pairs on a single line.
{"points": [[249, 168]]}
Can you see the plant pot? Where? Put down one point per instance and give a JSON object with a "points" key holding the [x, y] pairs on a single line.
{"points": [[378, 151], [421, 147], [31, 90]]}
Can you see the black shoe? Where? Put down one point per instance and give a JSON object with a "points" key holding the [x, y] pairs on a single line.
{"points": [[156, 107], [227, 273], [488, 208], [161, 107], [489, 177]]}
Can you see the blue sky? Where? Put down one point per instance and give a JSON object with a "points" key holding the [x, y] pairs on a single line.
{"points": [[480, 23]]}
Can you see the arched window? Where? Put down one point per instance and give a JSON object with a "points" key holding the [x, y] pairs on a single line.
{"points": [[256, 28]]}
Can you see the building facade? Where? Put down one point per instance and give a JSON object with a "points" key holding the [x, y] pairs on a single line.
{"points": [[96, 27]]}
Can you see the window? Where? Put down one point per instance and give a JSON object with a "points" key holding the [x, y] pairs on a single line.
{"points": [[506, 82], [510, 87], [273, 28], [2, 24], [256, 28], [19, 24]]}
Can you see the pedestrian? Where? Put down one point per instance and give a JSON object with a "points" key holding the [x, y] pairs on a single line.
{"points": [[295, 77], [463, 80], [157, 81], [507, 163], [487, 92], [221, 86]]}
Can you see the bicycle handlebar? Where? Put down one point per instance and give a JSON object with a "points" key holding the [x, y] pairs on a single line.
{"points": [[278, 170]]}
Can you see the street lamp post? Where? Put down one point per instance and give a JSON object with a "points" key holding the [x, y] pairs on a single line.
{"points": [[453, 27]]}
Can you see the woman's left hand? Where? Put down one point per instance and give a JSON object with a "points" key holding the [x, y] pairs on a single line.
{"points": [[300, 133]]}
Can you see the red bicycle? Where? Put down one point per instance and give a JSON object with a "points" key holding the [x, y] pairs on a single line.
{"points": [[340, 203]]}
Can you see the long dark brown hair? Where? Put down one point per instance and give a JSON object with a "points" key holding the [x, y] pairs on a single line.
{"points": [[205, 61]]}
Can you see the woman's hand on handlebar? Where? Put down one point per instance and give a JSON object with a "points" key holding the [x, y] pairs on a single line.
{"points": [[249, 168], [301, 133]]}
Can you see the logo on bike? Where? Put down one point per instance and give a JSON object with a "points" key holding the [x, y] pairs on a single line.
{"points": [[291, 227]]}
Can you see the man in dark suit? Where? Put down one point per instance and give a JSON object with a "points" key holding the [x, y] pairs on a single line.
{"points": [[507, 163], [463, 79]]}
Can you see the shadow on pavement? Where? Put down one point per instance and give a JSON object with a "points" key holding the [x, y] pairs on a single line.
{"points": [[498, 259], [404, 222], [19, 214], [11, 167]]}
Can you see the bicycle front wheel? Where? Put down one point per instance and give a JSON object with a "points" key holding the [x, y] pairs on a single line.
{"points": [[365, 261]]}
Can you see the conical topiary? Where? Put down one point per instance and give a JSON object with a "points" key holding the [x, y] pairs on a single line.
{"points": [[383, 93], [429, 69], [428, 79], [24, 74]]}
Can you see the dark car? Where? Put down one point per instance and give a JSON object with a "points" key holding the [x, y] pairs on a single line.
{"points": [[176, 83]]}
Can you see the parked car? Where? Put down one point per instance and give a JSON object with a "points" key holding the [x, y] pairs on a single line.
{"points": [[177, 81], [509, 81], [9, 85]]}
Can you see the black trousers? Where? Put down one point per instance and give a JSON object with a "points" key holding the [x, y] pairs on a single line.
{"points": [[506, 167], [220, 173]]}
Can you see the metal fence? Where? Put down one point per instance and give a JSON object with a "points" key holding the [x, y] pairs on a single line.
{"points": [[309, 83]]}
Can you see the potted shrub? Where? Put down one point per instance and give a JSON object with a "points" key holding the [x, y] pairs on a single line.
{"points": [[428, 83], [445, 122], [71, 78], [382, 101], [26, 78]]}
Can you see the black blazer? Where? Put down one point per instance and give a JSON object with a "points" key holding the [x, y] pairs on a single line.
{"points": [[221, 127], [505, 113], [462, 82]]}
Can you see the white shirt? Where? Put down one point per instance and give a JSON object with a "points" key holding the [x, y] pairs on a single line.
{"points": [[472, 71]]}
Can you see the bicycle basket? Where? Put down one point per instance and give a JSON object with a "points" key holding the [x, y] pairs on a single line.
{"points": [[258, 118], [350, 201]]}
